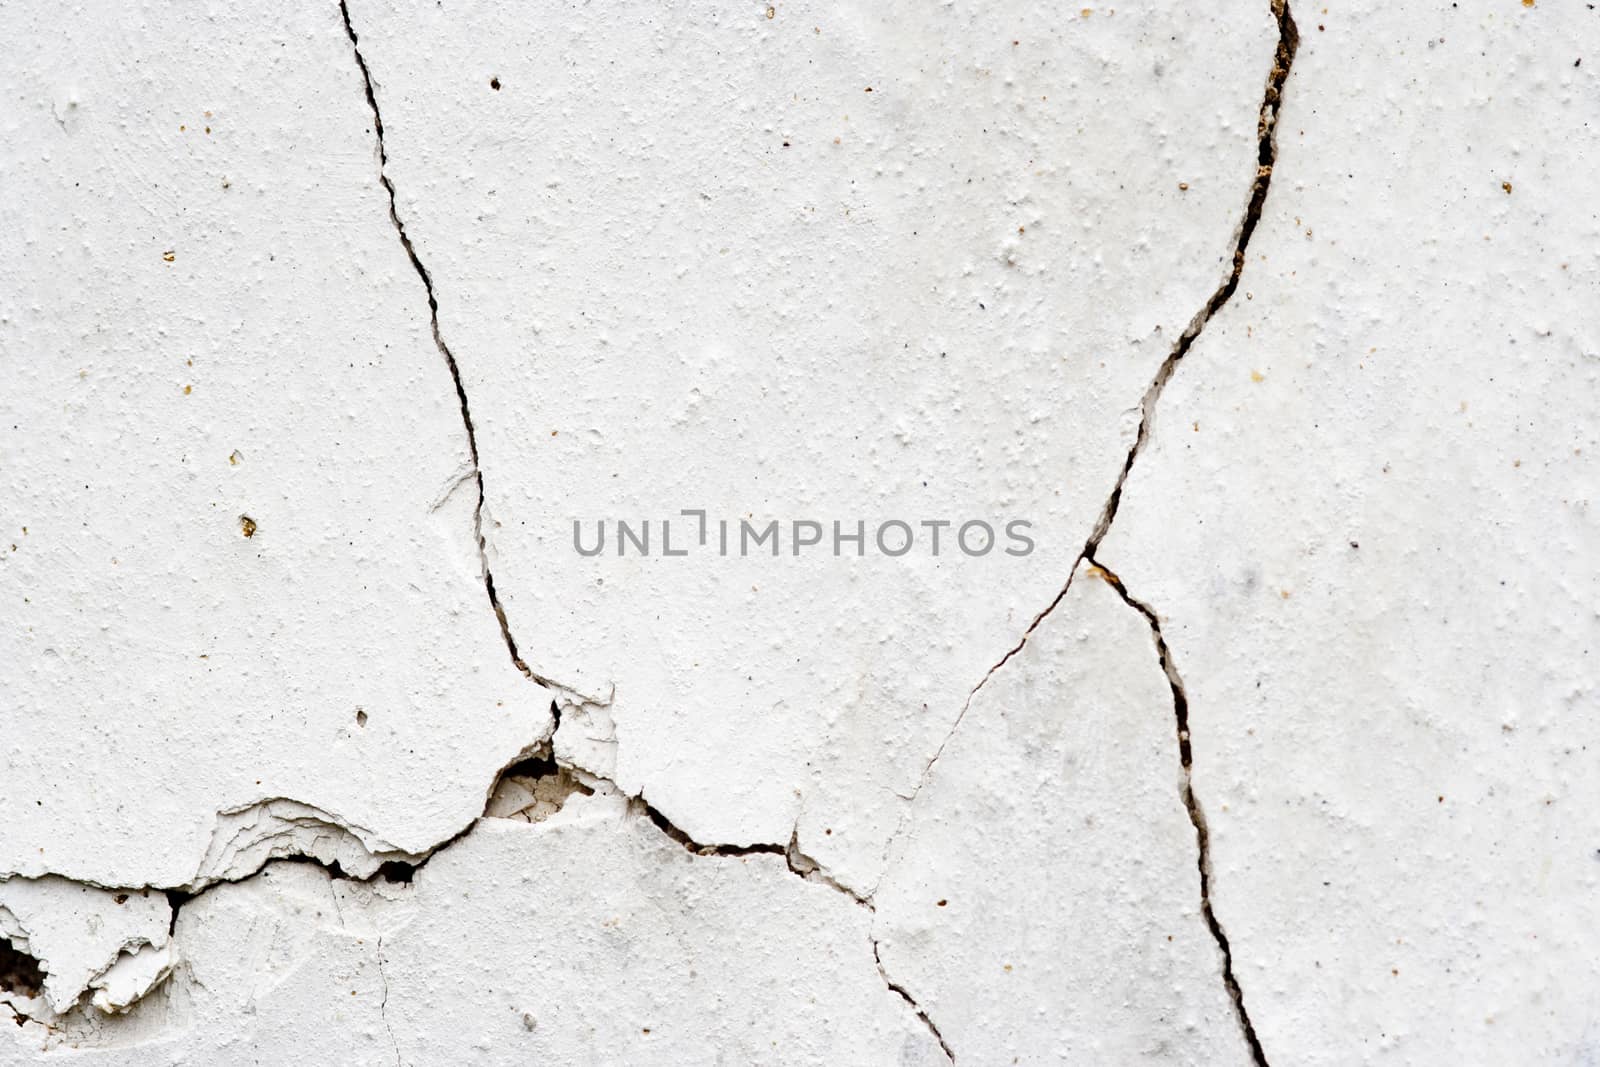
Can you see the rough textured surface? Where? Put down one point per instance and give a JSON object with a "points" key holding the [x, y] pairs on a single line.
{"points": [[328, 330]]}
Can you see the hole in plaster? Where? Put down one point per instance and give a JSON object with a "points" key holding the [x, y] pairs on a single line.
{"points": [[19, 972], [533, 790]]}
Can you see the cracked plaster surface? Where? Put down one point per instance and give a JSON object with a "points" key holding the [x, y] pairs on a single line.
{"points": [[411, 289], [833, 264], [1365, 520]]}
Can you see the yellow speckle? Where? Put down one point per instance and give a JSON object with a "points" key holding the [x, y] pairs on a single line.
{"points": [[1527, 3], [1257, 376], [1507, 187], [247, 526], [1085, 13], [188, 389], [1008, 968], [169, 255], [1197, 427], [1283, 594], [234, 457], [182, 128], [1183, 187]]}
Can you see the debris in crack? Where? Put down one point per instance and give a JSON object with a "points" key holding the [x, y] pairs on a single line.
{"points": [[1191, 803], [449, 359], [534, 790]]}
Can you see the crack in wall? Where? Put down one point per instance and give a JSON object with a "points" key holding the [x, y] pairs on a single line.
{"points": [[895, 987], [450, 362], [1266, 160], [1191, 804], [383, 1002], [796, 861]]}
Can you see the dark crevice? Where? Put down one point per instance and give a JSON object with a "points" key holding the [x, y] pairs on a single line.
{"points": [[900, 991], [1191, 803], [1266, 160], [19, 972], [444, 350]]}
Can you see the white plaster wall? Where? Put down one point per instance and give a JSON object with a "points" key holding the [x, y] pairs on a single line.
{"points": [[325, 323]]}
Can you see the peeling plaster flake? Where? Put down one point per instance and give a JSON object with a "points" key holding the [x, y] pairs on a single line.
{"points": [[838, 263], [237, 625], [610, 944], [1365, 520], [1090, 946]]}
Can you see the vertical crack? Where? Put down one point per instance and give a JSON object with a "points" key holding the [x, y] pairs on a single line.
{"points": [[383, 1003], [1191, 803], [1266, 159], [444, 350]]}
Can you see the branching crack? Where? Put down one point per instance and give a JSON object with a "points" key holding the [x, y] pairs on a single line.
{"points": [[449, 359], [1266, 159]]}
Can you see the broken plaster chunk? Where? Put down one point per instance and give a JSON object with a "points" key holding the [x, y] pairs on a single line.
{"points": [[1376, 568], [589, 939], [157, 666], [77, 934], [1043, 901], [131, 977], [950, 314]]}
